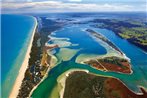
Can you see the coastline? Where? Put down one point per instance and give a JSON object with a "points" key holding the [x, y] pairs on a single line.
{"points": [[133, 79], [15, 90]]}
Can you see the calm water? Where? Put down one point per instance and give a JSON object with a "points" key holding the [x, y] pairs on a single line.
{"points": [[16, 34], [88, 45]]}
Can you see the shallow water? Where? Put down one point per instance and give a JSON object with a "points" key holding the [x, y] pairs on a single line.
{"points": [[16, 35], [89, 46]]}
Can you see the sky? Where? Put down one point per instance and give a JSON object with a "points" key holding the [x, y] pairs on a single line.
{"points": [[53, 6]]}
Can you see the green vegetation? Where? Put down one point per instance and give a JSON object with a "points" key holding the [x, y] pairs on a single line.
{"points": [[38, 56], [113, 60], [138, 33], [112, 63], [33, 74], [134, 31], [83, 85]]}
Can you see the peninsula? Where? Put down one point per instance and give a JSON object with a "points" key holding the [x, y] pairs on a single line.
{"points": [[37, 63], [95, 86]]}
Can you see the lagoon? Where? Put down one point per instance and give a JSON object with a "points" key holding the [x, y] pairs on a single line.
{"points": [[88, 46]]}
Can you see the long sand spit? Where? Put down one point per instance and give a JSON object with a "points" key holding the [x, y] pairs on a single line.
{"points": [[15, 90]]}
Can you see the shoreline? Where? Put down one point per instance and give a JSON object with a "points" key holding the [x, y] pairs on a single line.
{"points": [[62, 79], [15, 90], [52, 64], [45, 76]]}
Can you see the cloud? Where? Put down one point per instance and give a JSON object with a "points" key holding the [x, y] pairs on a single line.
{"points": [[75, 0], [58, 6]]}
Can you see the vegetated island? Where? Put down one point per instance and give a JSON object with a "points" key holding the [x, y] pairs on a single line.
{"points": [[112, 63], [109, 63], [95, 86], [134, 31], [40, 61]]}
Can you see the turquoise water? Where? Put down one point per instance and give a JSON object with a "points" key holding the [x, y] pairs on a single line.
{"points": [[77, 35], [88, 45], [16, 34]]}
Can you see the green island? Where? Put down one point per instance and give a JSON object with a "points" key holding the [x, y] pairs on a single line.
{"points": [[112, 63]]}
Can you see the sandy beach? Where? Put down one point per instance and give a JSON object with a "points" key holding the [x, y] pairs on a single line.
{"points": [[20, 77]]}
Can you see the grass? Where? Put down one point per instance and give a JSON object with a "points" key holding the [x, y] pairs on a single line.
{"points": [[138, 33], [133, 31]]}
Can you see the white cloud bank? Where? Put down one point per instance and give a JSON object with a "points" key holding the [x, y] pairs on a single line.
{"points": [[58, 6], [75, 0]]}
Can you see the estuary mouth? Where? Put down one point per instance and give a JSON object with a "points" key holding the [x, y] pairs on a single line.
{"points": [[75, 55]]}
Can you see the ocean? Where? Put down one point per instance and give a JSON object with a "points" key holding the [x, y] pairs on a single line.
{"points": [[16, 32]]}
